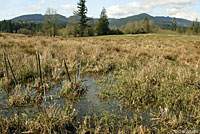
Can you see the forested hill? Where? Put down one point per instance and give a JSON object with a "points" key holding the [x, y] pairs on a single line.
{"points": [[30, 18], [39, 18], [158, 20]]}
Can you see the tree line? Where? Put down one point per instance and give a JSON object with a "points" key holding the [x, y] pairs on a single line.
{"points": [[84, 26], [194, 29], [29, 28]]}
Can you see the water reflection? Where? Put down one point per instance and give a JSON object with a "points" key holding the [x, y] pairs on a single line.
{"points": [[89, 104]]}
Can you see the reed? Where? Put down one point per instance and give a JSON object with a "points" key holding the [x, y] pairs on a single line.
{"points": [[39, 67], [67, 70], [15, 80], [73, 90], [5, 64]]}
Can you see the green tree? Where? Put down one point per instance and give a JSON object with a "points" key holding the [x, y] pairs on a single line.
{"points": [[90, 29], [115, 30], [174, 24], [50, 25], [181, 30], [76, 24], [195, 27], [146, 25], [189, 30], [102, 24], [82, 11]]}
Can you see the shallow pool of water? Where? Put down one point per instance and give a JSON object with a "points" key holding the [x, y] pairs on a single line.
{"points": [[89, 104]]}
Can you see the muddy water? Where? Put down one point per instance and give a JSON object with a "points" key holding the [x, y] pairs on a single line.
{"points": [[3, 97], [89, 104]]}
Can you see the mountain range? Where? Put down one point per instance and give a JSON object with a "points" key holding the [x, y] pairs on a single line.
{"points": [[158, 20]]}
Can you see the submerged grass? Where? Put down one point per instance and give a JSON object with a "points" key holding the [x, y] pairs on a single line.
{"points": [[170, 90], [109, 123], [23, 97], [73, 90], [53, 120]]}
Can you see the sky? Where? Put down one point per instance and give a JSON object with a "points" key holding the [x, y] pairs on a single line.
{"points": [[188, 9]]}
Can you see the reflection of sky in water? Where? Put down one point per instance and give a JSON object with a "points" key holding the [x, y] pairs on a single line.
{"points": [[89, 104]]}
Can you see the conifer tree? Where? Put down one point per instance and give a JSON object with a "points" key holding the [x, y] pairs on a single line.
{"points": [[174, 24], [102, 24], [82, 11], [195, 27]]}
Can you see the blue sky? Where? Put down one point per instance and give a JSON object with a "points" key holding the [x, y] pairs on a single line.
{"points": [[189, 9]]}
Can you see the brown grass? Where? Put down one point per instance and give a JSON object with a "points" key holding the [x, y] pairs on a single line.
{"points": [[97, 54], [150, 72]]}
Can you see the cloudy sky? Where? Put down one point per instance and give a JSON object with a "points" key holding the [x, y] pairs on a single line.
{"points": [[189, 9]]}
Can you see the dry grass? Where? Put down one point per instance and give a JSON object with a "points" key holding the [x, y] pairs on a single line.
{"points": [[53, 120], [106, 123], [73, 90], [150, 72], [96, 54], [20, 97]]}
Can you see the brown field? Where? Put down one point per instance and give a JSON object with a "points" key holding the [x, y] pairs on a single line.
{"points": [[97, 54], [155, 73]]}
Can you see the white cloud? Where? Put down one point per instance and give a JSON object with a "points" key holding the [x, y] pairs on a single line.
{"points": [[11, 14], [151, 4], [69, 7], [43, 1], [117, 11], [182, 13], [174, 8], [156, 3], [33, 8], [134, 5], [177, 9]]}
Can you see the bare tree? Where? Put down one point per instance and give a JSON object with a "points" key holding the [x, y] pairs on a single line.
{"points": [[51, 21]]}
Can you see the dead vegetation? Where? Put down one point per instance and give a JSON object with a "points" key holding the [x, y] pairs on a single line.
{"points": [[147, 73]]}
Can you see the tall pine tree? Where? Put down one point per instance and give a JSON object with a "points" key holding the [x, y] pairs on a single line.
{"points": [[195, 27], [82, 11], [174, 24], [102, 24]]}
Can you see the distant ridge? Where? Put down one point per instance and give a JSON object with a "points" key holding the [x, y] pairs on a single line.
{"points": [[38, 18], [30, 18], [158, 20]]}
